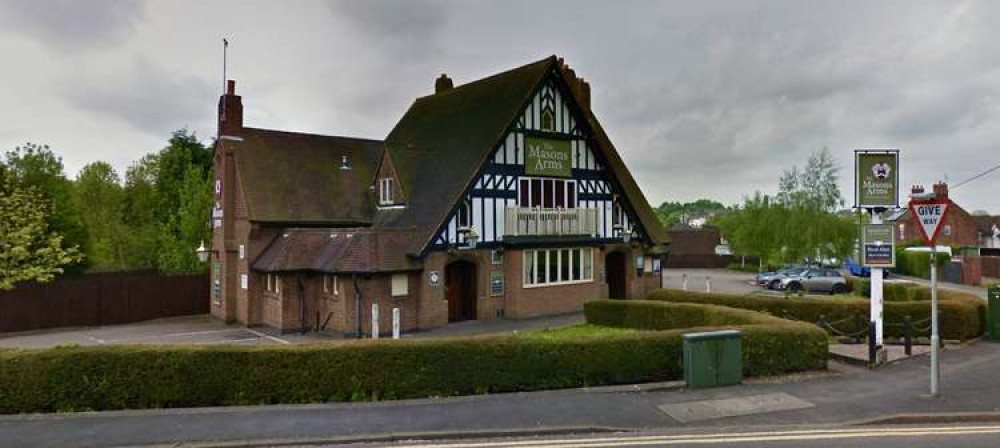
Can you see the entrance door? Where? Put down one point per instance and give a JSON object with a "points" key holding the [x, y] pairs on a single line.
{"points": [[460, 290], [615, 267]]}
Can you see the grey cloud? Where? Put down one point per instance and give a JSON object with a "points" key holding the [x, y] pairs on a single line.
{"points": [[72, 24], [150, 98]]}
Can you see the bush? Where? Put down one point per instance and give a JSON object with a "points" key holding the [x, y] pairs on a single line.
{"points": [[962, 316], [917, 264], [770, 345], [749, 268]]}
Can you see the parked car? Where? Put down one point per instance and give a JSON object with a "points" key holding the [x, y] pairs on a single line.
{"points": [[771, 280], [856, 269], [815, 280]]}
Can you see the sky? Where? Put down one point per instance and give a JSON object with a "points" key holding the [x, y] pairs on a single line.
{"points": [[702, 99]]}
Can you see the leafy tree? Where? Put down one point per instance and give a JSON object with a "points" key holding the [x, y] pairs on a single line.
{"points": [[142, 238], [673, 213], [36, 166], [29, 250], [799, 223], [189, 226], [101, 199]]}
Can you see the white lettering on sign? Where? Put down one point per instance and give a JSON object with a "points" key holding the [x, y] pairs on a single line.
{"points": [[930, 216]]}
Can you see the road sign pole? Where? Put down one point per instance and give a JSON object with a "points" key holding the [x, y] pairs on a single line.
{"points": [[935, 339]]}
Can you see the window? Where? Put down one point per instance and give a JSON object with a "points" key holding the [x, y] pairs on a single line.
{"points": [[617, 215], [543, 267], [656, 266], [465, 215], [548, 119], [273, 283], [496, 257], [639, 265], [902, 232], [385, 191], [946, 231], [330, 285], [244, 283], [243, 251], [399, 285], [546, 193]]}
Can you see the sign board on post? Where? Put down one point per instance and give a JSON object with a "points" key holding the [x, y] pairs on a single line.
{"points": [[879, 246], [930, 215], [877, 178], [547, 157]]}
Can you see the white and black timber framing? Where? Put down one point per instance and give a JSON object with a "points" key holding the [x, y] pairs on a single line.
{"points": [[495, 187]]}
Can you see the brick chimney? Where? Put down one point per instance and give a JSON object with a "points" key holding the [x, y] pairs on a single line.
{"points": [[443, 84], [917, 189], [230, 112], [941, 191]]}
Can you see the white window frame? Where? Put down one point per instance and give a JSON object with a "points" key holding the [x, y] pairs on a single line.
{"points": [[400, 285], [330, 285], [570, 184], [585, 270], [273, 283], [385, 185], [243, 251]]}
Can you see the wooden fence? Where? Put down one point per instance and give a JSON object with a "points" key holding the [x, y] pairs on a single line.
{"points": [[102, 299]]}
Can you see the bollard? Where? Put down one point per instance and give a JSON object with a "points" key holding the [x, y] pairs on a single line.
{"points": [[708, 284], [395, 323], [374, 321], [684, 282], [907, 336]]}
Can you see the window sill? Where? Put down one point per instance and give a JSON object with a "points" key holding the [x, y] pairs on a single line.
{"points": [[545, 285]]}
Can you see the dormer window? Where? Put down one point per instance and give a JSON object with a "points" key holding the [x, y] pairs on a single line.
{"points": [[548, 119], [385, 187], [345, 163]]}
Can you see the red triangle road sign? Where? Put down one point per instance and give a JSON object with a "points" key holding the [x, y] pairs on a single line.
{"points": [[930, 216]]}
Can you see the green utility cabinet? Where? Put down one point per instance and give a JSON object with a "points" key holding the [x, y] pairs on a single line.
{"points": [[993, 313], [713, 358]]}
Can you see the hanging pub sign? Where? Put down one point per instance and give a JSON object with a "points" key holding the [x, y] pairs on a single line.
{"points": [[496, 283], [879, 246], [547, 157], [876, 177]]}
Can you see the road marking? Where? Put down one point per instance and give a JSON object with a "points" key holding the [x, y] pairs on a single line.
{"points": [[99, 341], [722, 438], [267, 336], [168, 335]]}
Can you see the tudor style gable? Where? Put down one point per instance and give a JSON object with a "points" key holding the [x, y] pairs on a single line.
{"points": [[545, 180]]}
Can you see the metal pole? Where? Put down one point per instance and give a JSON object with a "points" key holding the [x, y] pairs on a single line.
{"points": [[395, 323], [375, 318], [684, 282], [935, 340]]}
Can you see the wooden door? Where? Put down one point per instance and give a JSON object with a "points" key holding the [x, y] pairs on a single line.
{"points": [[615, 267], [460, 291]]}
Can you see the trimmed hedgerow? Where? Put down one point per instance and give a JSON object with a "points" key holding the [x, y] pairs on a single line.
{"points": [[770, 345], [130, 377], [963, 316]]}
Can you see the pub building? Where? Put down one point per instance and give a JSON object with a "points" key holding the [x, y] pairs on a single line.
{"points": [[502, 198]]}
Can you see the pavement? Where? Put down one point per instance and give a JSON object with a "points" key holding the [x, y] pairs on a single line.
{"points": [[720, 280], [842, 396]]}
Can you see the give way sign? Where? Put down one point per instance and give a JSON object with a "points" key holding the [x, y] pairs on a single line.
{"points": [[930, 215]]}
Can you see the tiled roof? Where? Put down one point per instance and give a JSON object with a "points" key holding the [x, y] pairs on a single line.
{"points": [[297, 178], [337, 250]]}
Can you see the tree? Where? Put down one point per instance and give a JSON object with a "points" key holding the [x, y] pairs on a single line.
{"points": [[100, 198], [29, 251], [189, 226], [798, 224], [673, 213], [36, 167]]}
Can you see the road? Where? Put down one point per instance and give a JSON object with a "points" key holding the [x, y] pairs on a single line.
{"points": [[968, 436]]}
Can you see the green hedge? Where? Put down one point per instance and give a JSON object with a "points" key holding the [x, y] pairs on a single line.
{"points": [[770, 345], [891, 291], [108, 377], [963, 316], [917, 264]]}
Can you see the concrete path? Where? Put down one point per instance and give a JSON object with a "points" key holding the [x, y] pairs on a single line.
{"points": [[969, 384], [499, 326]]}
